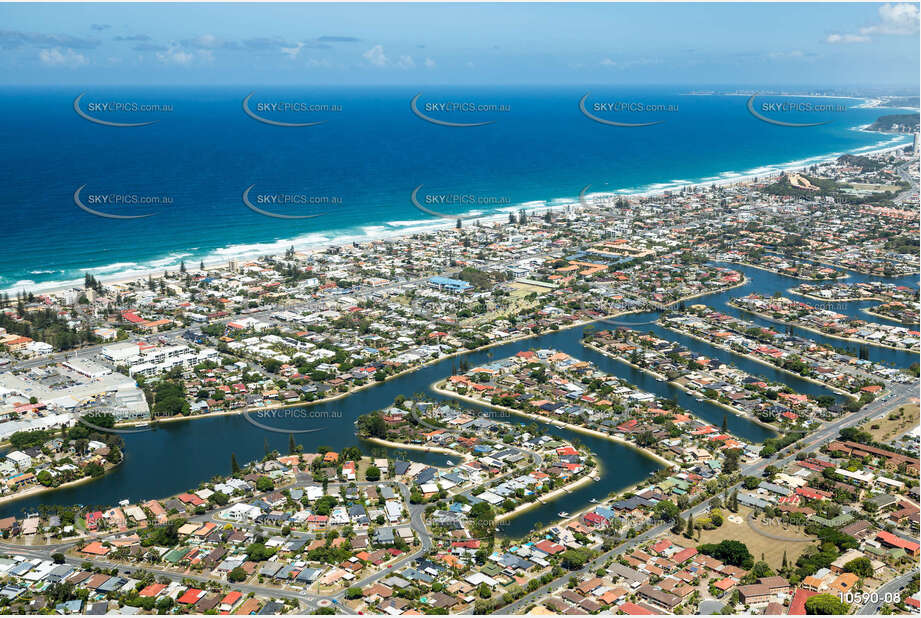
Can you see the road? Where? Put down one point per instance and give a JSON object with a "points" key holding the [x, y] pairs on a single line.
{"points": [[827, 433], [889, 590]]}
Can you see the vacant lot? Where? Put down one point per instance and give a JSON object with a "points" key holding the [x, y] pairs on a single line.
{"points": [[520, 290], [756, 542], [895, 423], [861, 186]]}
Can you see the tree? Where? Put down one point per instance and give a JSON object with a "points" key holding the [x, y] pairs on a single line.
{"points": [[730, 551], [731, 463], [354, 592], [292, 446], [690, 530], [258, 552], [483, 518], [573, 559], [725, 426], [264, 483], [373, 473], [237, 574], [759, 570], [860, 566], [826, 605], [666, 510], [58, 558], [234, 466]]}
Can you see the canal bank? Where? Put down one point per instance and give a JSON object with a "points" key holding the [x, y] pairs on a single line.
{"points": [[175, 457]]}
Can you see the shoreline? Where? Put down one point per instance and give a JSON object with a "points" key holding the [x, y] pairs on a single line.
{"points": [[818, 332], [547, 498], [299, 404], [833, 300], [41, 489], [693, 393], [304, 404], [684, 299], [763, 362], [787, 275], [546, 204], [417, 447], [880, 316], [558, 423]]}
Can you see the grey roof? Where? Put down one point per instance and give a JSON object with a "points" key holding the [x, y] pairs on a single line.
{"points": [[112, 584]]}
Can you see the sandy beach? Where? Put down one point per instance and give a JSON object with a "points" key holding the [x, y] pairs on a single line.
{"points": [[499, 217]]}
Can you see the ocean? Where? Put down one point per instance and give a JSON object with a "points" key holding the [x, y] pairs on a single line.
{"points": [[362, 164]]}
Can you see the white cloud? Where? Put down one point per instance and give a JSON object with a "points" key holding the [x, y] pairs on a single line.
{"points": [[376, 56], [175, 55], [56, 57], [607, 62], [429, 63], [846, 38], [292, 52], [207, 41], [896, 19]]}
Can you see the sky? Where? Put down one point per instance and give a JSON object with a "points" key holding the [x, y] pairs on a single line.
{"points": [[848, 46]]}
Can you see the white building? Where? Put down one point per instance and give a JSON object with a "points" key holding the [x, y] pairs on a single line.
{"points": [[20, 460], [241, 512]]}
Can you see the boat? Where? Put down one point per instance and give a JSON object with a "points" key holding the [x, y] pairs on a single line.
{"points": [[594, 501], [563, 514], [449, 462], [660, 379]]}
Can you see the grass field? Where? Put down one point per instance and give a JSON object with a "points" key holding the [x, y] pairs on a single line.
{"points": [[520, 290], [894, 423], [757, 544], [874, 187]]}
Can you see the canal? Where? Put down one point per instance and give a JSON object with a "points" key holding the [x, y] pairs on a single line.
{"points": [[174, 457]]}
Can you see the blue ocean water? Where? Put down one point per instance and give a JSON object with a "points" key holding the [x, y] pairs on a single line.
{"points": [[369, 154]]}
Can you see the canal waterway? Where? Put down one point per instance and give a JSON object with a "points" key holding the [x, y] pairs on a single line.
{"points": [[174, 457]]}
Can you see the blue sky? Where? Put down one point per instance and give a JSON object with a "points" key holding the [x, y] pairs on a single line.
{"points": [[804, 45]]}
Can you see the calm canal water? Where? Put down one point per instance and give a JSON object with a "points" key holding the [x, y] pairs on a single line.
{"points": [[179, 456]]}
